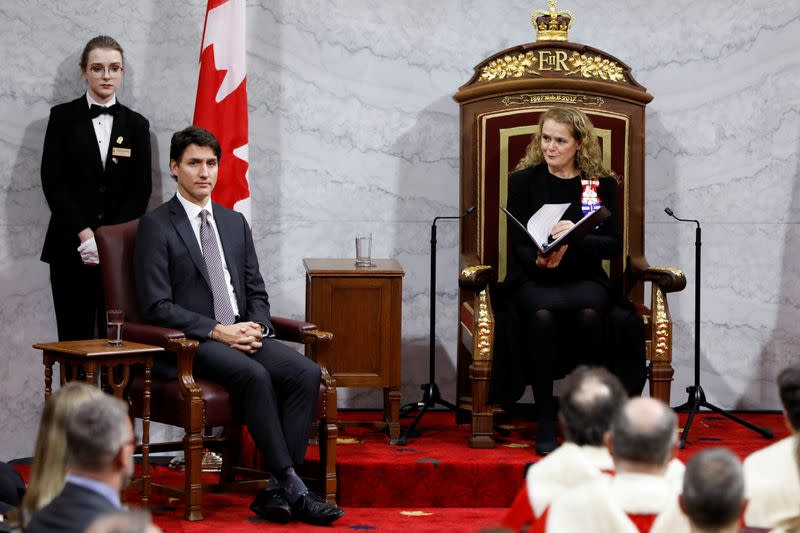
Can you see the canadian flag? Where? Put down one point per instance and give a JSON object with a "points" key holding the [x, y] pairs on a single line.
{"points": [[221, 104]]}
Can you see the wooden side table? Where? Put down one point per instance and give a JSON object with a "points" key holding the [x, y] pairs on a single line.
{"points": [[90, 356], [362, 307]]}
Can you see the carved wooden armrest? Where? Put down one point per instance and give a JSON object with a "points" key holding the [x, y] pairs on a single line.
{"points": [[184, 350], [171, 340], [474, 276], [668, 279], [149, 334], [327, 379], [298, 331]]}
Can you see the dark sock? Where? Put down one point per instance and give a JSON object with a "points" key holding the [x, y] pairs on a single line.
{"points": [[291, 483], [272, 483]]}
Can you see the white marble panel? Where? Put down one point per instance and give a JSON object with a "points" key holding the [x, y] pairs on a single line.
{"points": [[352, 128]]}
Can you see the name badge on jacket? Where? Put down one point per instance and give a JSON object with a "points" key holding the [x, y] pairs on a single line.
{"points": [[116, 151]]}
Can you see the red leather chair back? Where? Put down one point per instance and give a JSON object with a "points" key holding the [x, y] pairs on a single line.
{"points": [[116, 245]]}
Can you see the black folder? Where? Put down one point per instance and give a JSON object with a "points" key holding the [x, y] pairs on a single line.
{"points": [[585, 225]]}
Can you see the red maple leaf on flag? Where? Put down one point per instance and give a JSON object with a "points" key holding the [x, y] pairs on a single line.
{"points": [[221, 104]]}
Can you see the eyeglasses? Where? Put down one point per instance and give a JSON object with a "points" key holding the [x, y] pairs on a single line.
{"points": [[99, 71]]}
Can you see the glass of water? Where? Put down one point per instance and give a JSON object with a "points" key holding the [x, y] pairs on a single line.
{"points": [[115, 318], [364, 250]]}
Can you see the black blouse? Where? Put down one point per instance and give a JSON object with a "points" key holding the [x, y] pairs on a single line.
{"points": [[531, 188]]}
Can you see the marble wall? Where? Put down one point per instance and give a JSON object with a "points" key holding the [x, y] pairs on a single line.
{"points": [[352, 128]]}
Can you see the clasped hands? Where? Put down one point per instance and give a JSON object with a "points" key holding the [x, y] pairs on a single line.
{"points": [[243, 336], [554, 259]]}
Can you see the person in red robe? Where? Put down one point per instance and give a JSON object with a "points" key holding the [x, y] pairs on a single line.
{"points": [[588, 402], [642, 496]]}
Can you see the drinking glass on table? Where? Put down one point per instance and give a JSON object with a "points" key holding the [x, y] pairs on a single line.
{"points": [[364, 250], [115, 318]]}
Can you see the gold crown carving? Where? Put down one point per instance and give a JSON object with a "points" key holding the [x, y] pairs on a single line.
{"points": [[552, 25]]}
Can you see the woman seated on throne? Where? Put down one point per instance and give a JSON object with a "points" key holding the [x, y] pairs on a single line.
{"points": [[562, 303]]}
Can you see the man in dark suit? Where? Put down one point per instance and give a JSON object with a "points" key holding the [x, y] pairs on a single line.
{"points": [[95, 171], [197, 271], [100, 446]]}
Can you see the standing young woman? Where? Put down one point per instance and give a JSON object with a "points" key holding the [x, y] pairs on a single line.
{"points": [[562, 299], [95, 171]]}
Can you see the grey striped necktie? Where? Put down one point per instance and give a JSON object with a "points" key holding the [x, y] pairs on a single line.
{"points": [[223, 311]]}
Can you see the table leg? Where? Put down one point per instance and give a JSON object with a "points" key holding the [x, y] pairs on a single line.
{"points": [[146, 434], [391, 410], [48, 378], [89, 376]]}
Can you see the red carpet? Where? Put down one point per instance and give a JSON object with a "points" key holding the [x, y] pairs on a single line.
{"points": [[439, 469], [437, 480]]}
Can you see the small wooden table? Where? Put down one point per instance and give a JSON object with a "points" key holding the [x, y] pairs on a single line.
{"points": [[362, 307], [90, 356]]}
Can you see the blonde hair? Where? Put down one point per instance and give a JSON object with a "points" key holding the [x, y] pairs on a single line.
{"points": [[50, 465], [588, 158]]}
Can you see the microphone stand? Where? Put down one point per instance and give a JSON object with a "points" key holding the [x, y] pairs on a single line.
{"points": [[430, 391], [697, 397]]}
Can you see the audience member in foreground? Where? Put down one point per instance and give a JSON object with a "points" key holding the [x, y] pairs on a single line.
{"points": [[713, 492], [100, 445], [643, 494], [588, 402], [123, 522], [50, 466], [11, 489], [771, 475]]}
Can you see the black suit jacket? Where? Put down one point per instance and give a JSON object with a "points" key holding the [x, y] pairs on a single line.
{"points": [[72, 511], [171, 277], [80, 192]]}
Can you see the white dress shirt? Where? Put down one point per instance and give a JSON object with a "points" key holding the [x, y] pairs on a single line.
{"points": [[193, 212], [102, 126]]}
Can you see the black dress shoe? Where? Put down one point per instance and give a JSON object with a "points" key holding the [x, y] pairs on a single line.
{"points": [[312, 509], [271, 504]]}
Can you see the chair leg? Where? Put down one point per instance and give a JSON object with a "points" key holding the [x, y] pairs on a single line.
{"points": [[328, 433], [193, 488], [482, 414]]}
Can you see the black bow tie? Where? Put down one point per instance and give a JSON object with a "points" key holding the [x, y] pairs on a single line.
{"points": [[97, 110]]}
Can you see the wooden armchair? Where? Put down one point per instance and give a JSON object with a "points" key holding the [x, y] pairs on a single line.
{"points": [[198, 404], [500, 108]]}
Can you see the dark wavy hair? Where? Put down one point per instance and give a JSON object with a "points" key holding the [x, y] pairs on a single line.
{"points": [[192, 135]]}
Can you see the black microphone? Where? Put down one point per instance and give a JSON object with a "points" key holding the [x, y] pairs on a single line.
{"points": [[431, 395], [668, 211], [469, 210]]}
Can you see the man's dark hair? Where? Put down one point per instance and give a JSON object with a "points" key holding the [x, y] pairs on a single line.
{"points": [[713, 488], [588, 403], [101, 41], [644, 439], [789, 388], [192, 135]]}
